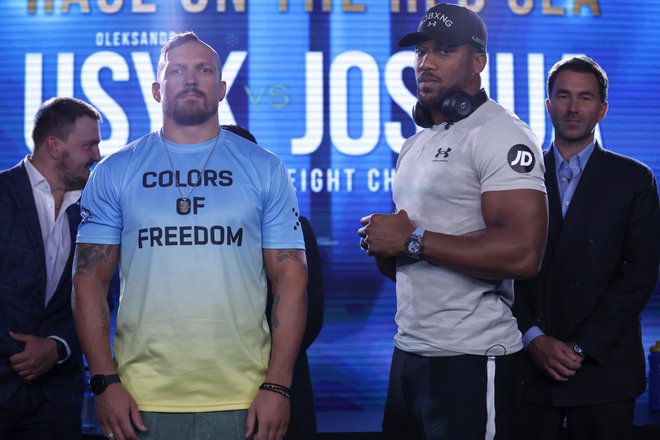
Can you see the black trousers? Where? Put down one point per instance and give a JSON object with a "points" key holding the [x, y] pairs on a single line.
{"points": [[456, 397], [28, 415], [609, 421]]}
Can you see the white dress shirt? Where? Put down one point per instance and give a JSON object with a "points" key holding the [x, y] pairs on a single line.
{"points": [[54, 231]]}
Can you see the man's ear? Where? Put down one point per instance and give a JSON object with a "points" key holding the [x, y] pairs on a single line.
{"points": [[222, 91], [155, 90], [52, 145], [603, 111], [479, 62]]}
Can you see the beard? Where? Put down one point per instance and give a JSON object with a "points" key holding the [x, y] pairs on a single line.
{"points": [[430, 99], [71, 180], [430, 96], [434, 99], [189, 112]]}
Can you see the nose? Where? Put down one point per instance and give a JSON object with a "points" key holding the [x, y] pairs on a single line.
{"points": [[191, 79], [425, 62], [96, 153]]}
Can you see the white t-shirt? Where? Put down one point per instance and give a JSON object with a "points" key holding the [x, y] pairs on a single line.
{"points": [[441, 175]]}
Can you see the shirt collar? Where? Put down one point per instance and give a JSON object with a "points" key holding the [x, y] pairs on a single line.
{"points": [[580, 160], [39, 182]]}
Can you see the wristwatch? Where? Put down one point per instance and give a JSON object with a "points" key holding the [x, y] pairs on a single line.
{"points": [[414, 246], [578, 350], [61, 350], [99, 382]]}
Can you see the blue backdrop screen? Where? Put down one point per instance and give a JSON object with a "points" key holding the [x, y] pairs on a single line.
{"points": [[324, 85]]}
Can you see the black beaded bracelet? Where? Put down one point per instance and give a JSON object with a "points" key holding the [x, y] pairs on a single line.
{"points": [[275, 388]]}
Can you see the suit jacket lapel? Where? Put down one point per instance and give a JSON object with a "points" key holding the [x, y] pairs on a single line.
{"points": [[27, 208], [577, 216], [554, 200], [73, 214]]}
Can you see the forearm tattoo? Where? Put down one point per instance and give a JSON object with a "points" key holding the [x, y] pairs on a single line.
{"points": [[104, 315], [87, 259], [282, 256], [89, 256]]}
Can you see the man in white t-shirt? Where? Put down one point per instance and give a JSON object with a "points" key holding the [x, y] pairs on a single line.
{"points": [[197, 217], [471, 216]]}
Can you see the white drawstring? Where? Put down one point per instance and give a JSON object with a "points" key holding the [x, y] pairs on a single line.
{"points": [[490, 398]]}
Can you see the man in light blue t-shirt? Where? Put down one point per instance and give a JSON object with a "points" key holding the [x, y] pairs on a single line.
{"points": [[197, 218]]}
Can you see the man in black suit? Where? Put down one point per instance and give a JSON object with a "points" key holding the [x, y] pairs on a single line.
{"points": [[41, 372], [580, 316]]}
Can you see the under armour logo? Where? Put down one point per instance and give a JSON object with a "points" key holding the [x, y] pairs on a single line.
{"points": [[443, 153], [521, 159], [431, 23]]}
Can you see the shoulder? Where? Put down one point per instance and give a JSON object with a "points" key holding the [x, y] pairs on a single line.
{"points": [[17, 169], [13, 174], [501, 128], [242, 148], [502, 121], [129, 156], [624, 163], [138, 146], [623, 172]]}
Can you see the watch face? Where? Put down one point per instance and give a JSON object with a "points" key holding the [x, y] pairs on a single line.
{"points": [[578, 350], [413, 247], [97, 384]]}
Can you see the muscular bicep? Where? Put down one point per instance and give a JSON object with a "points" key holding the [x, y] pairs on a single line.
{"points": [[96, 260], [521, 216], [520, 207]]}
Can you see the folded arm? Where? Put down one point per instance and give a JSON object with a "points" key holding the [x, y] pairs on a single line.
{"points": [[510, 246]]}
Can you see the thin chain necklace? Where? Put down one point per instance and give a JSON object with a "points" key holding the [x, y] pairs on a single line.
{"points": [[183, 203]]}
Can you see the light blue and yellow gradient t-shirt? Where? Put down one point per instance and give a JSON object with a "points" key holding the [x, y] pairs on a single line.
{"points": [[191, 329]]}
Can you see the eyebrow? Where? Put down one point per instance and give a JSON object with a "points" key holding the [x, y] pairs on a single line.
{"points": [[200, 64], [580, 93]]}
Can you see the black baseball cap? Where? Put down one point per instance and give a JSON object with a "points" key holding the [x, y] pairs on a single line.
{"points": [[449, 24]]}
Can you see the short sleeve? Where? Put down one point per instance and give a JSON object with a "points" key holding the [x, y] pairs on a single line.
{"points": [[509, 157], [281, 226], [100, 207]]}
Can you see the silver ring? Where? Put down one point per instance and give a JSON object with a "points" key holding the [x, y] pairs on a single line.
{"points": [[109, 436]]}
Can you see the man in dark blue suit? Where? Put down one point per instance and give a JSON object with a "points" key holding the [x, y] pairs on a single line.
{"points": [[41, 372], [580, 316]]}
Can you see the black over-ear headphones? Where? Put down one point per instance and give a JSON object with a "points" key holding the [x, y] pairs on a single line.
{"points": [[454, 107]]}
